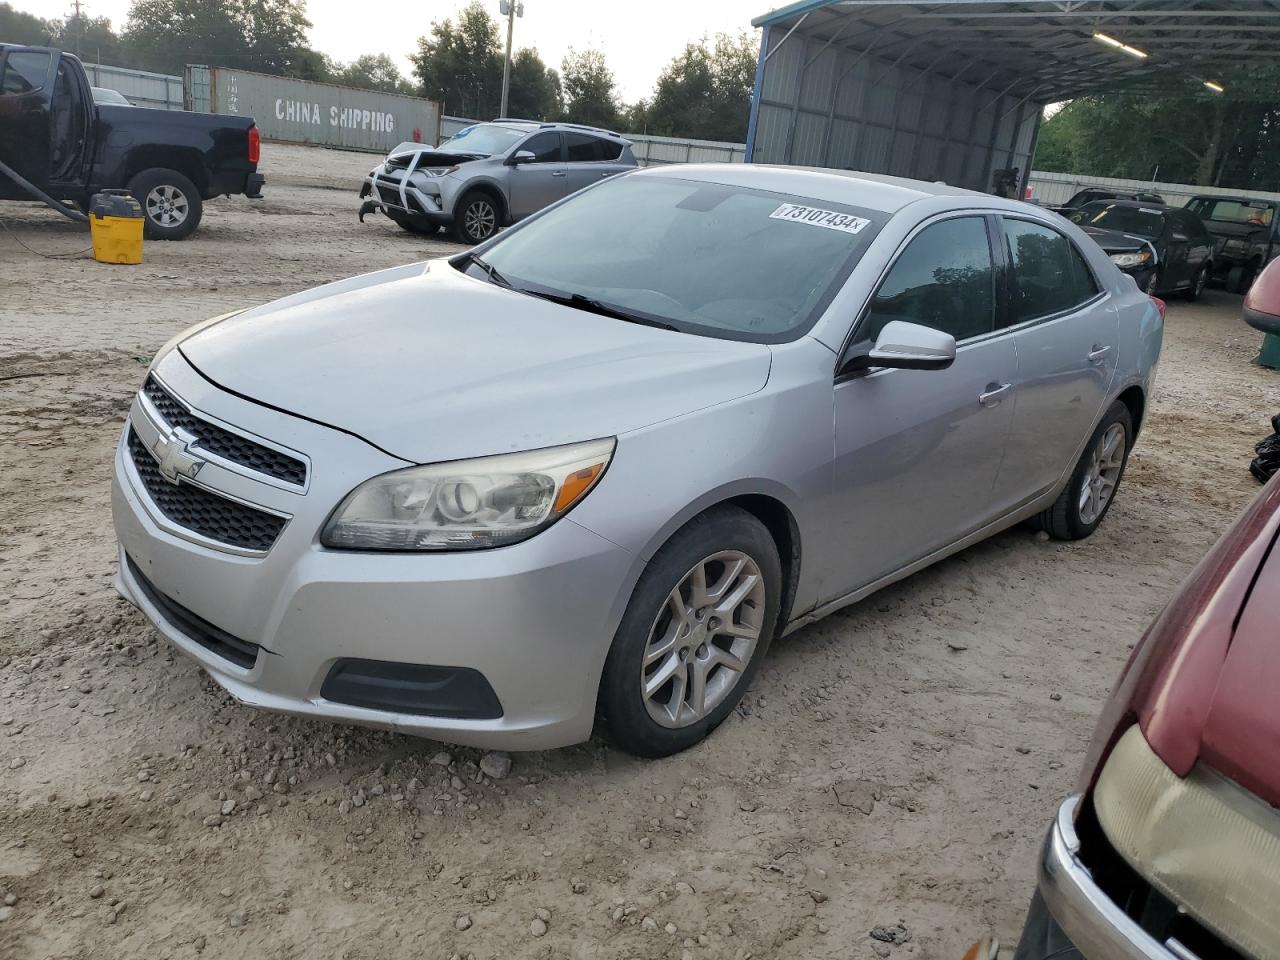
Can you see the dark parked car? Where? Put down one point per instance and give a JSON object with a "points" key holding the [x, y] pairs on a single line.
{"points": [[1094, 194], [109, 97], [55, 136], [1171, 848], [1164, 249], [1246, 235]]}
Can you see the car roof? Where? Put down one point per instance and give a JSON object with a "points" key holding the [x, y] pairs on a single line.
{"points": [[517, 123], [1135, 204], [1237, 199], [871, 190]]}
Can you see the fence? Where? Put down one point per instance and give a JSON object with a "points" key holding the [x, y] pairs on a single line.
{"points": [[141, 88], [1054, 189], [649, 151]]}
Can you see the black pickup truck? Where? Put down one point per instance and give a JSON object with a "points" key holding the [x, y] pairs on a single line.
{"points": [[53, 135]]}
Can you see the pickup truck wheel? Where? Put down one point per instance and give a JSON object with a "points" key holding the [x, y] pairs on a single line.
{"points": [[475, 218], [170, 202], [1240, 279]]}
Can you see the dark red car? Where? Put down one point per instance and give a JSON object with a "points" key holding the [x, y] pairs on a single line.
{"points": [[1171, 849], [1262, 305]]}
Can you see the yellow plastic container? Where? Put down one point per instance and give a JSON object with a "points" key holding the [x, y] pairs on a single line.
{"points": [[115, 223]]}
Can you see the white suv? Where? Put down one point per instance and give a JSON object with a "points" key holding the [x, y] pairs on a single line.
{"points": [[490, 175]]}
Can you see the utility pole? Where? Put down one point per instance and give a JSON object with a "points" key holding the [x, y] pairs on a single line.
{"points": [[511, 9], [79, 24]]}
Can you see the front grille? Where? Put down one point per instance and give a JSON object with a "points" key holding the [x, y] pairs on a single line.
{"points": [[240, 652], [203, 512], [224, 443]]}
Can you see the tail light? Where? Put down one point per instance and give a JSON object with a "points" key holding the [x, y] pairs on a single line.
{"points": [[1160, 305], [255, 148]]}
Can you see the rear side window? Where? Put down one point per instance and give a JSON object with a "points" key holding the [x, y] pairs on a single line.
{"points": [[943, 280], [1048, 275], [582, 148], [609, 149], [545, 147], [24, 71]]}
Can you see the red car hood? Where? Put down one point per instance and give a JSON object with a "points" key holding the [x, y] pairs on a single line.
{"points": [[1241, 736], [1264, 295]]}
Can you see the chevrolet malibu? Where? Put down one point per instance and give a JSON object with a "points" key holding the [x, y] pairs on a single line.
{"points": [[1171, 848], [593, 467]]}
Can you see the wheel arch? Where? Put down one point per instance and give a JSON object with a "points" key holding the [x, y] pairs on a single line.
{"points": [[1135, 400], [184, 161], [492, 190]]}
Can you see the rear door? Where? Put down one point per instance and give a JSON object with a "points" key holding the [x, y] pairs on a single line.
{"points": [[1200, 244], [591, 158], [1067, 337], [540, 181], [27, 76], [1178, 267]]}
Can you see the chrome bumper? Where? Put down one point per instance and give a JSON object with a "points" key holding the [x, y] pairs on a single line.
{"points": [[1096, 925]]}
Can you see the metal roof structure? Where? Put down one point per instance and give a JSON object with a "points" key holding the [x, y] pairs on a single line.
{"points": [[953, 90], [1049, 50]]}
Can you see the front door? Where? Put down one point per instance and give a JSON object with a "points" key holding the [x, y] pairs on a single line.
{"points": [[540, 181], [1067, 335], [27, 77], [917, 452]]}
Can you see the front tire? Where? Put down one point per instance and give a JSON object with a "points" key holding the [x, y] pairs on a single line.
{"points": [[476, 218], [171, 204], [1088, 495], [694, 634], [419, 228], [1240, 279]]}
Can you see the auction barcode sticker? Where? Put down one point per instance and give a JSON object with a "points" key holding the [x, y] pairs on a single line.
{"points": [[817, 217]]}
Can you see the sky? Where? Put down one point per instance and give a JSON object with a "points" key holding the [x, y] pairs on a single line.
{"points": [[638, 39]]}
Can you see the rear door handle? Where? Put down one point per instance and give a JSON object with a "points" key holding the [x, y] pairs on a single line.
{"points": [[1098, 354], [559, 173], [995, 393], [607, 173]]}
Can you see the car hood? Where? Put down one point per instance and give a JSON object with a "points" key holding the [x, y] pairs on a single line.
{"points": [[1114, 241], [430, 364], [1226, 229]]}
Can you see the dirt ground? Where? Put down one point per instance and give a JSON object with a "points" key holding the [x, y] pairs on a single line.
{"points": [[895, 764]]}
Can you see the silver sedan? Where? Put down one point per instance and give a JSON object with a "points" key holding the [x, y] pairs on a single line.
{"points": [[594, 467]]}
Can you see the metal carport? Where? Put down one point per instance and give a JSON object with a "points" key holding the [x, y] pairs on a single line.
{"points": [[953, 90]]}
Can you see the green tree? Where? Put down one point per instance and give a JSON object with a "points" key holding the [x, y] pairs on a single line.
{"points": [[90, 38], [461, 65], [535, 88], [590, 94], [705, 92], [264, 35], [1185, 137], [372, 71], [19, 27]]}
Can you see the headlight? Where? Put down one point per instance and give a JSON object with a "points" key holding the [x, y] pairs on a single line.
{"points": [[1126, 260], [468, 504], [1203, 841]]}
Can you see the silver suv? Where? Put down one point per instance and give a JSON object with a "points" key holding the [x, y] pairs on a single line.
{"points": [[490, 175]]}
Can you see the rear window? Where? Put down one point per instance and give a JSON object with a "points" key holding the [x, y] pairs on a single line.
{"points": [[24, 71], [1252, 212], [707, 258], [1144, 222]]}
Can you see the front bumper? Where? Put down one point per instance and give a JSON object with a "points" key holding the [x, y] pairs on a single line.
{"points": [[405, 200], [1071, 917], [535, 618]]}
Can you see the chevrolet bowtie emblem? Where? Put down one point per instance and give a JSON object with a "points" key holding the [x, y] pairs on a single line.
{"points": [[172, 451]]}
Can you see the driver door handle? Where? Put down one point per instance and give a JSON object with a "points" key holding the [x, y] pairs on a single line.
{"points": [[995, 393], [1098, 354]]}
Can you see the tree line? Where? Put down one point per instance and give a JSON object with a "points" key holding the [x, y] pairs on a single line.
{"points": [[704, 93]]}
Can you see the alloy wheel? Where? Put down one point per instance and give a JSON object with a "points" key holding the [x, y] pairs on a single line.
{"points": [[480, 219], [1102, 474], [167, 205], [702, 639]]}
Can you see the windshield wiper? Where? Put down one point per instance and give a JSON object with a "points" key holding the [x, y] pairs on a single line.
{"points": [[580, 302], [490, 270]]}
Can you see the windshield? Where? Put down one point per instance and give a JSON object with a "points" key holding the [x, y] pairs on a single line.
{"points": [[1141, 221], [486, 138], [1256, 213], [705, 258]]}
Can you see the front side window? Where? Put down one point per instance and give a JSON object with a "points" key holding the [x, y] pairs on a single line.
{"points": [[709, 258], [545, 148], [943, 280], [1048, 276], [24, 71]]}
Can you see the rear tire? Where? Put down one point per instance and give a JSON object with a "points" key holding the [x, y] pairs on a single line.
{"points": [[171, 204], [677, 627], [1089, 494], [476, 217], [1194, 292]]}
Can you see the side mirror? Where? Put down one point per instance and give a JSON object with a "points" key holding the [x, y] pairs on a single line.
{"points": [[522, 156], [903, 346]]}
